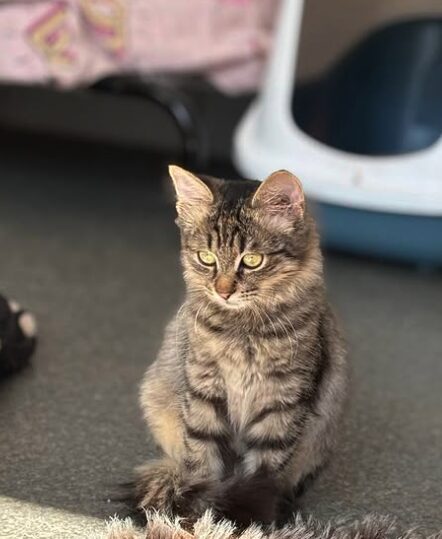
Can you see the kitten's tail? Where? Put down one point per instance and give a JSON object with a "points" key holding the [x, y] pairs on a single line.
{"points": [[165, 486]]}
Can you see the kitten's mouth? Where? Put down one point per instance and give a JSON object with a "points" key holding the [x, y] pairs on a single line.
{"points": [[231, 302]]}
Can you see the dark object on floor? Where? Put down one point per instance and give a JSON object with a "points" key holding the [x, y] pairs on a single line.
{"points": [[175, 102], [17, 337], [383, 97]]}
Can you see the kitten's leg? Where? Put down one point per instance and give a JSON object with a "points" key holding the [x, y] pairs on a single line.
{"points": [[187, 427], [281, 447], [187, 416], [207, 435], [185, 424], [295, 438], [321, 431], [162, 411], [161, 396], [272, 438]]}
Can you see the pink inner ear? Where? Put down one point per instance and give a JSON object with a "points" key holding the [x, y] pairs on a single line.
{"points": [[280, 192]]}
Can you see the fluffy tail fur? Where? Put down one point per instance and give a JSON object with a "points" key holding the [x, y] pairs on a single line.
{"points": [[160, 526], [164, 486]]}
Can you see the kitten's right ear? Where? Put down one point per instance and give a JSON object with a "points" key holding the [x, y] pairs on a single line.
{"points": [[193, 196]]}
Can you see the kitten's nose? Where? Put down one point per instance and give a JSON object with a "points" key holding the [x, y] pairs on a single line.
{"points": [[225, 286]]}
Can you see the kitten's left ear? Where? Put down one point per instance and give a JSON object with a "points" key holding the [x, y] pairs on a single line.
{"points": [[281, 194]]}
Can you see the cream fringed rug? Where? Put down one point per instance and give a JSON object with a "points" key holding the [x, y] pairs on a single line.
{"points": [[161, 527]]}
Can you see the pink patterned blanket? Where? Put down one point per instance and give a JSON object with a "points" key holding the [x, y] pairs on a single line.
{"points": [[73, 42]]}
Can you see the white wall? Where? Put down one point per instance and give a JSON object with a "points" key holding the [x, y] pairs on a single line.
{"points": [[332, 26]]}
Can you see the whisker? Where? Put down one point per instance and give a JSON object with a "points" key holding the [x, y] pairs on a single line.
{"points": [[196, 317]]}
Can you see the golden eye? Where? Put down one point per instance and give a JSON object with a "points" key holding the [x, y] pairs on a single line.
{"points": [[207, 258], [252, 260]]}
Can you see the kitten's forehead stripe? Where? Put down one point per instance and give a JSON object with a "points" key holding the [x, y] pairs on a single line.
{"points": [[236, 233], [229, 226]]}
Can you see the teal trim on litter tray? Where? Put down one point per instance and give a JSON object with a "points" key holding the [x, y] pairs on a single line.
{"points": [[407, 238]]}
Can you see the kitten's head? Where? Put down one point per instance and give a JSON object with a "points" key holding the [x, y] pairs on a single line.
{"points": [[244, 243]]}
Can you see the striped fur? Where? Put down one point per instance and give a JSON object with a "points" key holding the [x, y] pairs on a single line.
{"points": [[245, 394]]}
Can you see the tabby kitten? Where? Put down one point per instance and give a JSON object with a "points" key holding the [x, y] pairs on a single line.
{"points": [[245, 395]]}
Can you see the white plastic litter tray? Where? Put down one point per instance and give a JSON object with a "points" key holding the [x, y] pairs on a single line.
{"points": [[388, 205]]}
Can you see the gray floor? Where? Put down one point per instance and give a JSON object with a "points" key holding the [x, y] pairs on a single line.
{"points": [[88, 243]]}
